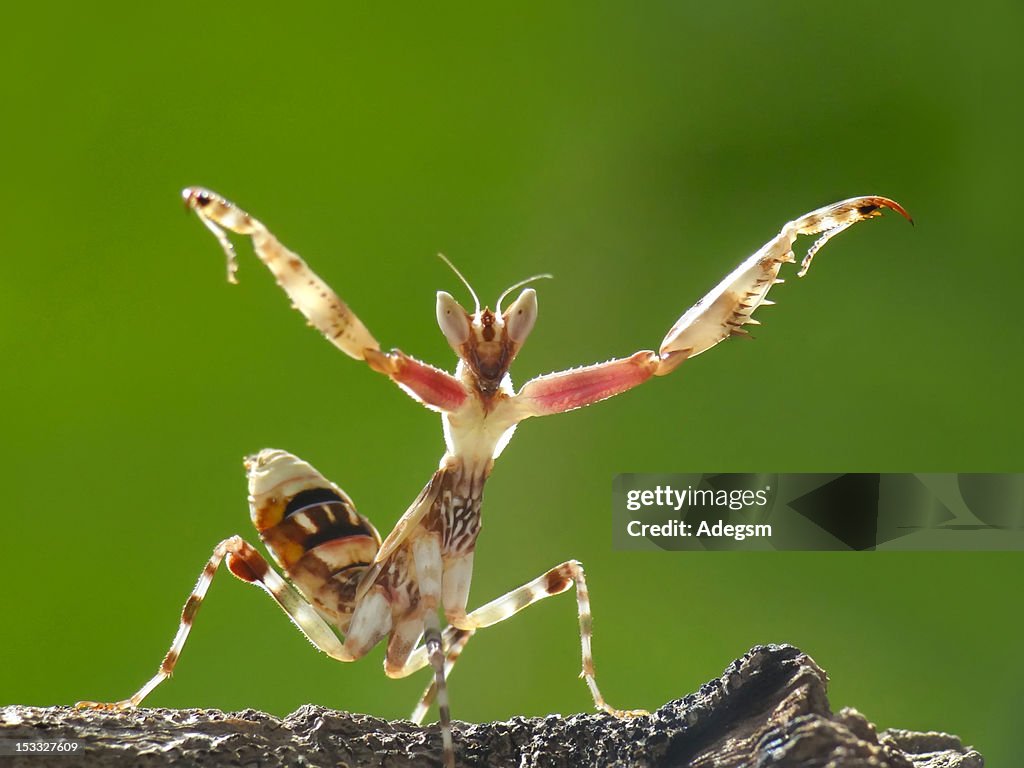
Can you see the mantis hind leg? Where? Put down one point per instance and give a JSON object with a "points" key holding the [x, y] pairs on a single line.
{"points": [[245, 563]]}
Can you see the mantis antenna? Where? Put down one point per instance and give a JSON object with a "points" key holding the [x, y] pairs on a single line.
{"points": [[520, 284], [465, 282]]}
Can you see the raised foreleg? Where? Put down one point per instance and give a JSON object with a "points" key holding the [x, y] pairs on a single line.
{"points": [[728, 307], [321, 306], [720, 314]]}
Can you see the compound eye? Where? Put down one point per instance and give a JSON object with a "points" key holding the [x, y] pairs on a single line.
{"points": [[452, 319], [520, 317]]}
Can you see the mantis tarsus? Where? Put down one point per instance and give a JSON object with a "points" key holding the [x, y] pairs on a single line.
{"points": [[346, 589]]}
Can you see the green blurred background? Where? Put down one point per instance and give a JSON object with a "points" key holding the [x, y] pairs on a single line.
{"points": [[636, 153]]}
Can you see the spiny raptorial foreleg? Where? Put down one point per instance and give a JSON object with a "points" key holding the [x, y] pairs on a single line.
{"points": [[728, 307]]}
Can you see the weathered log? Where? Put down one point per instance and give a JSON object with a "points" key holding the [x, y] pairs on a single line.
{"points": [[769, 708]]}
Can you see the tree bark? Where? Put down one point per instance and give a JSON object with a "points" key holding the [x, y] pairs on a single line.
{"points": [[769, 708]]}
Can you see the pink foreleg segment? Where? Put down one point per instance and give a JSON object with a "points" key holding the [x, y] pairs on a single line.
{"points": [[567, 390], [434, 388]]}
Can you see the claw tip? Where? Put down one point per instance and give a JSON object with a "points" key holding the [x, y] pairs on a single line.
{"points": [[893, 205]]}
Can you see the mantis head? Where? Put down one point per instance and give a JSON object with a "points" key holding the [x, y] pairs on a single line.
{"points": [[487, 342]]}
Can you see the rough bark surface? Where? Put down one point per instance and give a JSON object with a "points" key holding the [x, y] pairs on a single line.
{"points": [[769, 708]]}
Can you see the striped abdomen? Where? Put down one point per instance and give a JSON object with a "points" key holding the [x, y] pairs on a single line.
{"points": [[312, 530]]}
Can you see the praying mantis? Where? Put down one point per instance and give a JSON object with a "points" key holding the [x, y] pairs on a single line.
{"points": [[346, 588]]}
